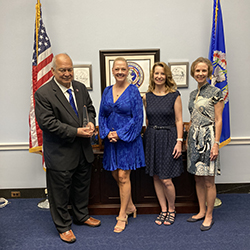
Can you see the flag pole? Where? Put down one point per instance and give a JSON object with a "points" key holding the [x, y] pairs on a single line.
{"points": [[41, 73], [38, 15], [217, 201], [217, 55]]}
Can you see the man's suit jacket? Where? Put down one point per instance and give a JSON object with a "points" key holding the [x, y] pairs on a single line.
{"points": [[59, 123]]}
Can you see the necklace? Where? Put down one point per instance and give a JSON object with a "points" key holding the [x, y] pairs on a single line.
{"points": [[120, 89]]}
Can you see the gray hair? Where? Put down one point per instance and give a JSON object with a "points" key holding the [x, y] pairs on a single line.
{"points": [[53, 63]]}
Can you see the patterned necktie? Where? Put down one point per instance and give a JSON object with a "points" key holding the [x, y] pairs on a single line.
{"points": [[71, 101]]}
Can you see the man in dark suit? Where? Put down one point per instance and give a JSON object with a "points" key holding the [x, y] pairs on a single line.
{"points": [[67, 149]]}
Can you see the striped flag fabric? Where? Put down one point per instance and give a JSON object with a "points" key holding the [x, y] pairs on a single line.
{"points": [[217, 55], [41, 74]]}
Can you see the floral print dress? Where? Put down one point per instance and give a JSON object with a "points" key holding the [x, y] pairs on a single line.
{"points": [[201, 136]]}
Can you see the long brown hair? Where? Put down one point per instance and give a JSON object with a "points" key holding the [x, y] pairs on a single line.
{"points": [[170, 85]]}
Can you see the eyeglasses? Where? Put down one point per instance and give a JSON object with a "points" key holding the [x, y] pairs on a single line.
{"points": [[70, 70]]}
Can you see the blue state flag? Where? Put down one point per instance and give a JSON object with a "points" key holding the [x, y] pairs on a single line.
{"points": [[217, 55]]}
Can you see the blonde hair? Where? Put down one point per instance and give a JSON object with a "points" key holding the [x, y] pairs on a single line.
{"points": [[120, 59], [170, 85], [202, 60]]}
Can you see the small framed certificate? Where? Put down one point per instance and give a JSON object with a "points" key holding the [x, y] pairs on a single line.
{"points": [[180, 73], [83, 74]]}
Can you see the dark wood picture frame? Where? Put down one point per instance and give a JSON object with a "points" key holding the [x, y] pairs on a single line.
{"points": [[148, 56]]}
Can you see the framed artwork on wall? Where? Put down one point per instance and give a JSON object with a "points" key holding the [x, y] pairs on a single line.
{"points": [[180, 73], [140, 63], [83, 74]]}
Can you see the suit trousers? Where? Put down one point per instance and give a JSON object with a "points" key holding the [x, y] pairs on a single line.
{"points": [[69, 187]]}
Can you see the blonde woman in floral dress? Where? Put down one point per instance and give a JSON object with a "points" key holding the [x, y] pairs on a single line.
{"points": [[205, 107]]}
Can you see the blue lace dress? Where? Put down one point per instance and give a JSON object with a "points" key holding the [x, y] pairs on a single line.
{"points": [[125, 116], [201, 136], [160, 136]]}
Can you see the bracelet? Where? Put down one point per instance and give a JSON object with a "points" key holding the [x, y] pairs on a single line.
{"points": [[179, 139], [217, 142]]}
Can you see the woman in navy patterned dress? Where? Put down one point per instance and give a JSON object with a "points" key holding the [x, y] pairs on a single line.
{"points": [[163, 138], [205, 107], [120, 124]]}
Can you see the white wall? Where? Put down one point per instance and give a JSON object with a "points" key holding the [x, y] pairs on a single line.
{"points": [[180, 28]]}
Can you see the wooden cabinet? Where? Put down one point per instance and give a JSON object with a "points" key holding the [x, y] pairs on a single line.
{"points": [[104, 193]]}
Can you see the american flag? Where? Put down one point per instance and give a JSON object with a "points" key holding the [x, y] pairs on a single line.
{"points": [[41, 73]]}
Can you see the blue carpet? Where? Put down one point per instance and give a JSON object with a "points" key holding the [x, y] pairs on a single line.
{"points": [[25, 226]]}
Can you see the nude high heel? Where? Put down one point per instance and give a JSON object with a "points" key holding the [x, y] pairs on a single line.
{"points": [[119, 229], [132, 213]]}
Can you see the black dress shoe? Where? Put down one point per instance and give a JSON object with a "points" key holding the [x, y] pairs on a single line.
{"points": [[206, 228], [191, 219]]}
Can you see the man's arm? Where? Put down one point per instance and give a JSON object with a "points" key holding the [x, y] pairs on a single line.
{"points": [[48, 122]]}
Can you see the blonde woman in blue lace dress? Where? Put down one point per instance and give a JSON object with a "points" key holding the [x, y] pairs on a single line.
{"points": [[120, 124], [205, 107]]}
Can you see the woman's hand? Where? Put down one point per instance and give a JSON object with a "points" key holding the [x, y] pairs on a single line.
{"points": [[218, 109], [214, 152], [112, 136], [177, 150]]}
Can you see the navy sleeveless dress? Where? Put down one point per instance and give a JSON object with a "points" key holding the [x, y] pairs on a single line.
{"points": [[160, 136]]}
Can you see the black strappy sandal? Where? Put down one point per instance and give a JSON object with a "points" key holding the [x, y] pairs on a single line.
{"points": [[170, 218], [161, 218]]}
